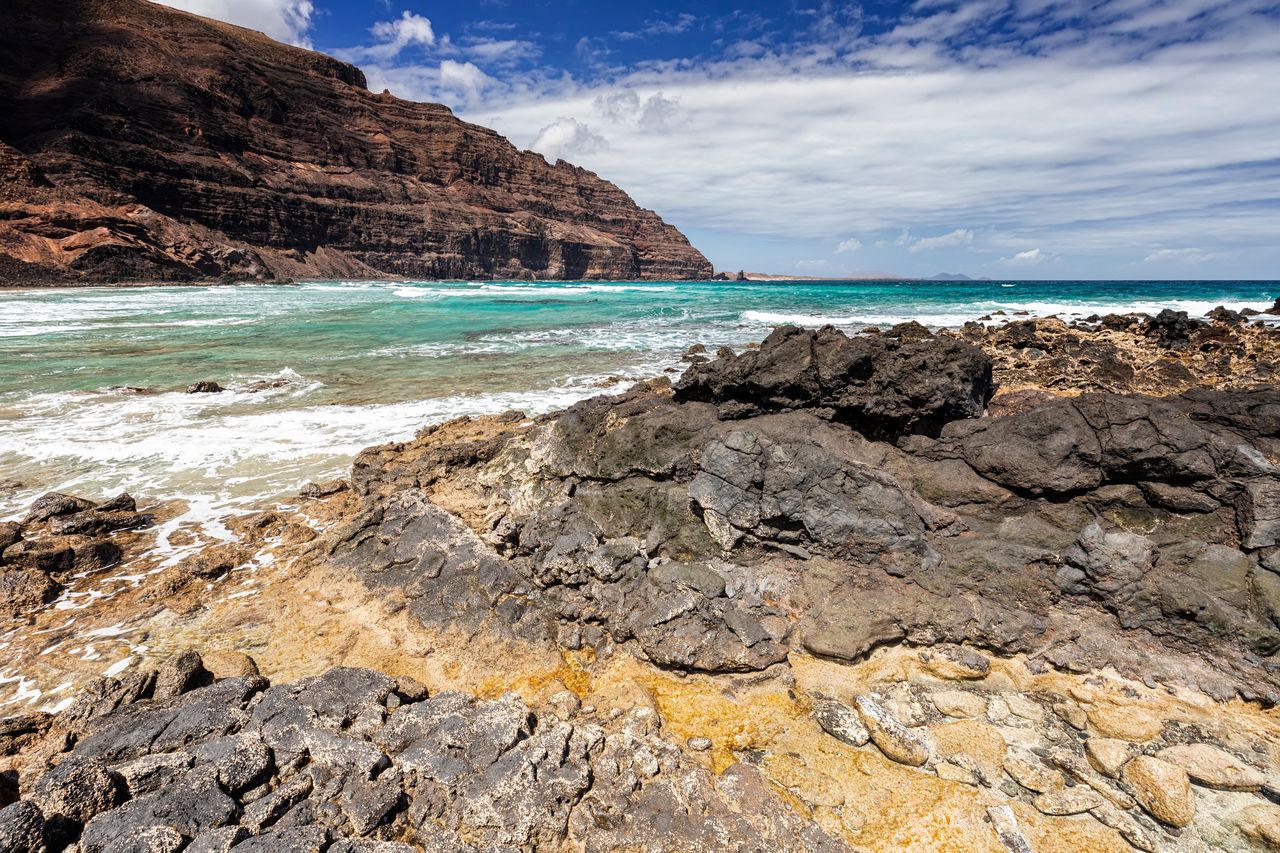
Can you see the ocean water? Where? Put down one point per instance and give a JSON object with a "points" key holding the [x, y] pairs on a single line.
{"points": [[91, 380]]}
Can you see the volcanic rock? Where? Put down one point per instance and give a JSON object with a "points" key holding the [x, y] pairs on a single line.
{"points": [[205, 387], [881, 386], [24, 590], [332, 758]]}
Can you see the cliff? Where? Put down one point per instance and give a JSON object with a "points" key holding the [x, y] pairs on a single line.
{"points": [[139, 142]]}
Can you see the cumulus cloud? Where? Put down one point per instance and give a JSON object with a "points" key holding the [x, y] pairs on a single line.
{"points": [[285, 20], [393, 38], [1029, 258], [958, 237], [464, 79], [853, 244], [1080, 136], [566, 138], [658, 113]]}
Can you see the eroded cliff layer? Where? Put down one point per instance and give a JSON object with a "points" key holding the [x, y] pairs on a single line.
{"points": [[138, 142]]}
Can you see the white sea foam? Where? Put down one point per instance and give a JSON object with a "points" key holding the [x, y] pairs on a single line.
{"points": [[221, 457], [952, 315]]}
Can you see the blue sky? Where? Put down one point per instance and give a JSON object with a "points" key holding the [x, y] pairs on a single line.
{"points": [[1001, 138]]}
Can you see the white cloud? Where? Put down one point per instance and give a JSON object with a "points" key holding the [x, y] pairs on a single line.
{"points": [[464, 79], [679, 24], [1091, 143], [1092, 126], [284, 20], [1029, 258], [853, 244], [393, 37], [959, 237], [816, 264], [1184, 256], [658, 113], [501, 51], [565, 138]]}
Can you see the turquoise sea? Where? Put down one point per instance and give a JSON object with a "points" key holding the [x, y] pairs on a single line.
{"points": [[91, 380]]}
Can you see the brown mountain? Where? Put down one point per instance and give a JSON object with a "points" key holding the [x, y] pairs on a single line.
{"points": [[139, 142]]}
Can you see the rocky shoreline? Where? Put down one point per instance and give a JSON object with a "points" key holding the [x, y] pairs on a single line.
{"points": [[975, 590]]}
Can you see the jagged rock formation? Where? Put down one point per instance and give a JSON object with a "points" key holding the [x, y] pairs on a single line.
{"points": [[139, 142], [1158, 355], [721, 532], [354, 761], [836, 607]]}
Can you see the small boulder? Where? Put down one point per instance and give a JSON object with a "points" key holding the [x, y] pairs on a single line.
{"points": [[23, 591], [73, 793], [21, 828], [1068, 801], [1125, 722], [10, 532], [79, 556], [205, 387], [959, 703], [122, 502], [323, 490], [1213, 767], [1260, 821], [1108, 755], [841, 722], [53, 504], [1162, 788], [180, 674], [1029, 772], [893, 738], [229, 664], [1072, 714]]}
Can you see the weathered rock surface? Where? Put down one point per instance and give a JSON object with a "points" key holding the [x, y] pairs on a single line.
{"points": [[1129, 354], [880, 385], [1162, 788], [60, 537], [139, 142], [659, 520], [1023, 606], [1214, 767], [347, 759]]}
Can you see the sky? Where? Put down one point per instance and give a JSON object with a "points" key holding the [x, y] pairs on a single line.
{"points": [[1050, 139]]}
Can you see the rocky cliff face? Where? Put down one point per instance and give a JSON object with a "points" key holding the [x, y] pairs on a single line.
{"points": [[138, 142]]}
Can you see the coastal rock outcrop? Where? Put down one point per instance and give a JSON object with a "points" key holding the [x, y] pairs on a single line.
{"points": [[880, 385], [755, 610], [354, 760], [138, 142], [661, 519]]}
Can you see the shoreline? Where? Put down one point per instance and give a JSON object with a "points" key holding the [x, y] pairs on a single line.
{"points": [[555, 563]]}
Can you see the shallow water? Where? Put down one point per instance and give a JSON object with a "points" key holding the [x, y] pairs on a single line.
{"points": [[91, 380]]}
